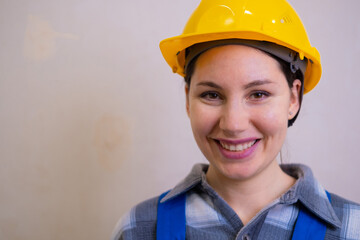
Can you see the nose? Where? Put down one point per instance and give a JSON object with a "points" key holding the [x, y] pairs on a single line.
{"points": [[234, 118]]}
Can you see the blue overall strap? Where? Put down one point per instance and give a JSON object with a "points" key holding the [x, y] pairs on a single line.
{"points": [[171, 222], [309, 227]]}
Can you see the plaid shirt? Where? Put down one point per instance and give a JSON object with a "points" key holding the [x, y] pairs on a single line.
{"points": [[209, 217]]}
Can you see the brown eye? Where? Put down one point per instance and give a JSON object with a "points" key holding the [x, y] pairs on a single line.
{"points": [[259, 95], [210, 95]]}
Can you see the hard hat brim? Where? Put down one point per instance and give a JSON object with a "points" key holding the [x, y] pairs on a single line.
{"points": [[173, 50]]}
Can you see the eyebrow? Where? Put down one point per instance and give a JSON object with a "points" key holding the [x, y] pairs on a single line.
{"points": [[209, 84], [257, 83], [247, 86]]}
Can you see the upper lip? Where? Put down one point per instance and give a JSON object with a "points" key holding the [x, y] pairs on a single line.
{"points": [[234, 142]]}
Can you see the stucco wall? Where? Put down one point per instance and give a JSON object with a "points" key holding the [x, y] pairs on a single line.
{"points": [[92, 120]]}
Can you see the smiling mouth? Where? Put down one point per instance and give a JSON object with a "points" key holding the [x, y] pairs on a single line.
{"points": [[237, 147]]}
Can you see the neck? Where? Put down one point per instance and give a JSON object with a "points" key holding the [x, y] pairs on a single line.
{"points": [[248, 196]]}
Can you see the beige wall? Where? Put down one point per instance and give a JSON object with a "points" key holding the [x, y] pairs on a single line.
{"points": [[92, 120]]}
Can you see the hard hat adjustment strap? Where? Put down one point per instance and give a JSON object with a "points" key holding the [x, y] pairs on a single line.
{"points": [[281, 52]]}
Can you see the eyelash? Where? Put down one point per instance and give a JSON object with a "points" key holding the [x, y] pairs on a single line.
{"points": [[211, 96], [262, 93], [254, 96]]}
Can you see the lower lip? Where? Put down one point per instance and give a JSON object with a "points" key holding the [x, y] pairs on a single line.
{"points": [[238, 155]]}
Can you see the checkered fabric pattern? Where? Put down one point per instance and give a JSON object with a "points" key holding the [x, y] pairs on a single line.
{"points": [[209, 217]]}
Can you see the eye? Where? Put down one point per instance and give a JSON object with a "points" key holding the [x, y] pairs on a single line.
{"points": [[259, 95], [211, 96]]}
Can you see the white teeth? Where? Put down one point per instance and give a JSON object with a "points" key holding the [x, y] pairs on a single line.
{"points": [[240, 147], [237, 147]]}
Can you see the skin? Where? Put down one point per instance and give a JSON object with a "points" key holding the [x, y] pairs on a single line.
{"points": [[238, 93]]}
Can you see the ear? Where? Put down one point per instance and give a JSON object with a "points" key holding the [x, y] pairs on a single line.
{"points": [[294, 98], [187, 99]]}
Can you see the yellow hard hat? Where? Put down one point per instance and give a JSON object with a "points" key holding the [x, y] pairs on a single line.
{"points": [[272, 21]]}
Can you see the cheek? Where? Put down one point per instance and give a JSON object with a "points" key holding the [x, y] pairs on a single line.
{"points": [[272, 121], [202, 118]]}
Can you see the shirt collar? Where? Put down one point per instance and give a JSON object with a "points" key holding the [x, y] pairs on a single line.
{"points": [[196, 176], [306, 190], [309, 193]]}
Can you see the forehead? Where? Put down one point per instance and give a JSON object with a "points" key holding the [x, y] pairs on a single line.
{"points": [[236, 62]]}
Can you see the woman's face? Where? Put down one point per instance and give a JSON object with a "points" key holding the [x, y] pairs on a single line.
{"points": [[239, 104]]}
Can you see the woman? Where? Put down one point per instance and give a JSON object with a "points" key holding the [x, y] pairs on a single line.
{"points": [[246, 66]]}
